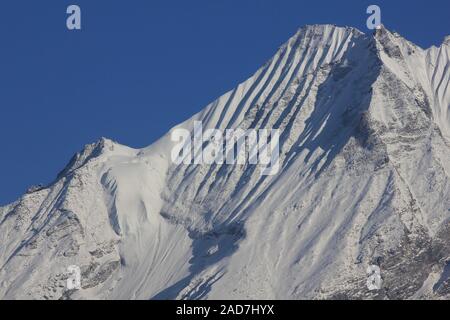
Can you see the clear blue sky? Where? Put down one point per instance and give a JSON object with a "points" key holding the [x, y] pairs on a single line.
{"points": [[138, 67]]}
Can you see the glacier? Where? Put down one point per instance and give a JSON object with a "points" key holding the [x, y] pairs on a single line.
{"points": [[364, 180]]}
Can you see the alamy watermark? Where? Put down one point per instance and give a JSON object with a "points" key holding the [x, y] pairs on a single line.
{"points": [[234, 146], [374, 20], [73, 21], [74, 279], [374, 280]]}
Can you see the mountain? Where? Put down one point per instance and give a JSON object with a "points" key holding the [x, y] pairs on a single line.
{"points": [[364, 180]]}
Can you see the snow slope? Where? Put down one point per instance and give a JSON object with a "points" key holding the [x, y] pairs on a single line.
{"points": [[364, 179]]}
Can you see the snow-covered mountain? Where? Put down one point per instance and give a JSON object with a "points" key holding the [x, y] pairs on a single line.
{"points": [[364, 180]]}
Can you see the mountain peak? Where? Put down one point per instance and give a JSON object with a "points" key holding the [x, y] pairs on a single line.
{"points": [[98, 149], [446, 40], [326, 26]]}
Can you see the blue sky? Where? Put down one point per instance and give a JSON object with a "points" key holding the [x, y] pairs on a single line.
{"points": [[138, 67]]}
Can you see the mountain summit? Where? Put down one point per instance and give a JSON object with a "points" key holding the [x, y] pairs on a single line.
{"points": [[364, 181]]}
